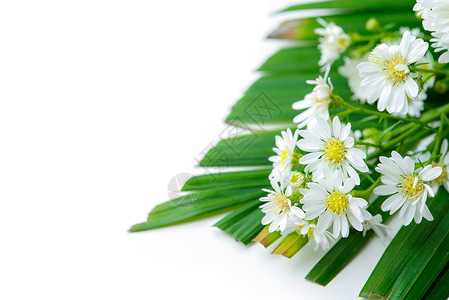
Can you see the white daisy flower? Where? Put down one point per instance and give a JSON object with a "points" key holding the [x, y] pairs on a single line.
{"points": [[279, 210], [375, 223], [435, 14], [285, 149], [331, 203], [331, 149], [316, 103], [409, 189], [332, 43], [387, 75], [349, 71], [443, 163], [316, 238]]}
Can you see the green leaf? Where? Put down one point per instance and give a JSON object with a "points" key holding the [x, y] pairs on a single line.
{"points": [[291, 244], [351, 6], [267, 238], [303, 29], [401, 250], [238, 179], [269, 100], [338, 257], [245, 150], [301, 60], [197, 204], [424, 267], [244, 224], [439, 289]]}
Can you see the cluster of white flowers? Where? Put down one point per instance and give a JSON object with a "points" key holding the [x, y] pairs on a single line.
{"points": [[332, 161], [316, 170], [435, 15], [313, 201]]}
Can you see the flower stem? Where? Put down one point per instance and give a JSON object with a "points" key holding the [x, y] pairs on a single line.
{"points": [[365, 111], [435, 71]]}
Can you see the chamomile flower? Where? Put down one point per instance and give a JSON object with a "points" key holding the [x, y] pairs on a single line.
{"points": [[331, 149], [278, 208], [375, 223], [332, 43], [387, 75], [316, 103], [443, 163], [407, 187], [285, 150], [331, 203], [316, 239]]}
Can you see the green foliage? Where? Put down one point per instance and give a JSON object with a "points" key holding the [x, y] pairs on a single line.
{"points": [[244, 224], [353, 6], [400, 256]]}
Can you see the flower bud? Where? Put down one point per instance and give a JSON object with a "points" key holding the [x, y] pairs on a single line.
{"points": [[441, 87], [373, 25]]}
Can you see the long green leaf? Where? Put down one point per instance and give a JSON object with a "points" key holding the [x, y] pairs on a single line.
{"points": [[238, 179], [424, 267], [439, 289], [245, 150], [244, 224], [351, 6], [291, 244], [196, 204], [269, 100], [267, 238], [303, 29]]}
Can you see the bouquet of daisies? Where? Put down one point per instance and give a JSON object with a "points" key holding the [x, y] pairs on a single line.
{"points": [[368, 141]]}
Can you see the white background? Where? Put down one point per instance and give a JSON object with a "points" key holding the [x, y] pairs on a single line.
{"points": [[102, 103]]}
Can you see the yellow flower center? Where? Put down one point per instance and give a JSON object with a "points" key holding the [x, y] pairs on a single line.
{"points": [[297, 178], [334, 151], [282, 202], [443, 177], [344, 41], [337, 202], [284, 156], [322, 100], [412, 186], [394, 75]]}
